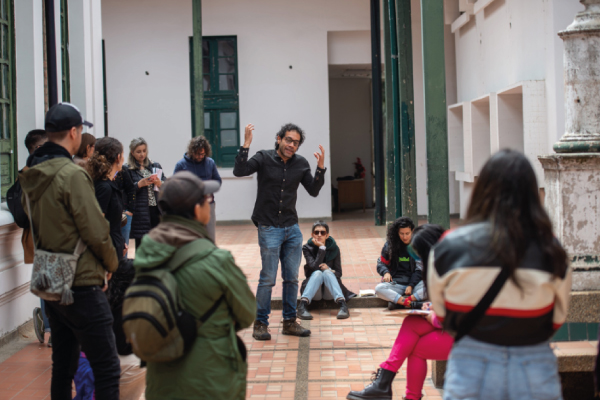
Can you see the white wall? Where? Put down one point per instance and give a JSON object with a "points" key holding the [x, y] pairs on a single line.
{"points": [[512, 41], [152, 35], [351, 129], [85, 49]]}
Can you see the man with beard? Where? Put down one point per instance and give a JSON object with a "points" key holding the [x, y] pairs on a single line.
{"points": [[280, 172]]}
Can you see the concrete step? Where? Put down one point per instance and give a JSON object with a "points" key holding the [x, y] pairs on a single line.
{"points": [[357, 302]]}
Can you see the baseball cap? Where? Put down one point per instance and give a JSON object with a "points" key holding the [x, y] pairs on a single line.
{"points": [[64, 116], [181, 192]]}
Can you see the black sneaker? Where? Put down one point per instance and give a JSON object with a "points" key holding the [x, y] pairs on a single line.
{"points": [[261, 331], [394, 306], [38, 324], [293, 328]]}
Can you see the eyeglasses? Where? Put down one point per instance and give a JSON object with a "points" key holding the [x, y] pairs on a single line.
{"points": [[320, 233], [413, 253], [289, 140]]}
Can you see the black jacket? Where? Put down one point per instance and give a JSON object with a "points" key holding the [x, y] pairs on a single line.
{"points": [[278, 184], [399, 274], [461, 271], [126, 185], [314, 257], [140, 223]]}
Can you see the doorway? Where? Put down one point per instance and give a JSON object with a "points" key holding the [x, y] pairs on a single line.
{"points": [[351, 135]]}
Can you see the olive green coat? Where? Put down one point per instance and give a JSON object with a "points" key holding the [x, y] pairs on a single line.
{"points": [[63, 198], [213, 368]]}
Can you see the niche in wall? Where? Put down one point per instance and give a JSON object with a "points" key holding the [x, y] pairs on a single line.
{"points": [[480, 133], [456, 149]]}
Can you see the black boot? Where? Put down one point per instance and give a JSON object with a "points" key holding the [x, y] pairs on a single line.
{"points": [[343, 313], [379, 389], [302, 312], [393, 306]]}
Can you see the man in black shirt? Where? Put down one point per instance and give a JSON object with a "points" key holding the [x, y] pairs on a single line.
{"points": [[280, 172]]}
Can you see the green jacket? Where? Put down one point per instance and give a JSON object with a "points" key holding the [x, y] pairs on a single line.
{"points": [[62, 196], [213, 368]]}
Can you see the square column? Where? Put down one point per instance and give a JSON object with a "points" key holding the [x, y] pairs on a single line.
{"points": [[573, 202]]}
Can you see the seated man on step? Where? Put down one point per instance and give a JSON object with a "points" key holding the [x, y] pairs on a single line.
{"points": [[323, 271], [402, 282]]}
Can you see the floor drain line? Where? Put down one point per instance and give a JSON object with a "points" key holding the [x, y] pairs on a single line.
{"points": [[301, 391]]}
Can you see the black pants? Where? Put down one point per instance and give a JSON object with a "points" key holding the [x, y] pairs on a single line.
{"points": [[154, 220], [86, 323]]}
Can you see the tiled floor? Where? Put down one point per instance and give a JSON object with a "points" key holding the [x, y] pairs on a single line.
{"points": [[338, 357]]}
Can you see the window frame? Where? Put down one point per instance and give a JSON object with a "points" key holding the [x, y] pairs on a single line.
{"points": [[64, 49], [217, 101], [8, 145]]}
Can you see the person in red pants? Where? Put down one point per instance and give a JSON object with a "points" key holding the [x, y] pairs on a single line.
{"points": [[420, 338]]}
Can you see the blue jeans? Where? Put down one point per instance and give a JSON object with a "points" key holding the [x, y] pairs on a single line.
{"points": [[316, 280], [44, 316], [285, 245], [126, 230], [392, 291], [478, 370]]}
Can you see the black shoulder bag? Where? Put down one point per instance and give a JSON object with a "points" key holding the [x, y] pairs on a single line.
{"points": [[475, 315]]}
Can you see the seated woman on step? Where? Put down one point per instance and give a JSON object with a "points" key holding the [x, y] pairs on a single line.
{"points": [[401, 283], [323, 272], [421, 338]]}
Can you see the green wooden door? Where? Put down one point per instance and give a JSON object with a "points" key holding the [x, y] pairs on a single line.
{"points": [[221, 104]]}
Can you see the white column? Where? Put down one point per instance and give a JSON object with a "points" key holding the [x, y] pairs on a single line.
{"points": [[85, 37], [30, 71]]}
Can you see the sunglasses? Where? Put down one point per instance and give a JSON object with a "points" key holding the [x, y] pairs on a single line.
{"points": [[320, 233], [413, 253]]}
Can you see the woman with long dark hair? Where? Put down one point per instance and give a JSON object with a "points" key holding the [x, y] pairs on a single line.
{"points": [[506, 250], [420, 338], [401, 282], [146, 176], [103, 167]]}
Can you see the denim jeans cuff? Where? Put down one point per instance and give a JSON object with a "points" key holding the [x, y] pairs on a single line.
{"points": [[396, 299]]}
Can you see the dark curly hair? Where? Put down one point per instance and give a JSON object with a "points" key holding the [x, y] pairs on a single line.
{"points": [[289, 128], [397, 245], [108, 150], [198, 143]]}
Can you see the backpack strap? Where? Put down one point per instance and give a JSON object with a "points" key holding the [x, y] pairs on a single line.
{"points": [[189, 251]]}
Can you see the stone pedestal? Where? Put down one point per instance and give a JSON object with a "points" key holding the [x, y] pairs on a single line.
{"points": [[573, 202]]}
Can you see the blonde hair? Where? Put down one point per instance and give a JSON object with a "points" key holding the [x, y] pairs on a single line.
{"points": [[135, 143]]}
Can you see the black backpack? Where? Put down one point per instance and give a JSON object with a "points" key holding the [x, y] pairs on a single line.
{"points": [[13, 200]]}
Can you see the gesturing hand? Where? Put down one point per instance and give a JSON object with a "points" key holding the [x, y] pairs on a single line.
{"points": [[387, 277], [320, 157], [248, 133]]}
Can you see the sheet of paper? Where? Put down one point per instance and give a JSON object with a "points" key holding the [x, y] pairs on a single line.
{"points": [[412, 312], [158, 173]]}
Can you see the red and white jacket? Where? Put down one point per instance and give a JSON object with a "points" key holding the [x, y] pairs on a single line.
{"points": [[458, 279]]}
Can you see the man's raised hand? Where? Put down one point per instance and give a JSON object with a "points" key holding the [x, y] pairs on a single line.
{"points": [[248, 135], [320, 157]]}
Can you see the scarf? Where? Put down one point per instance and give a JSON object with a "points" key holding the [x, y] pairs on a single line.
{"points": [[331, 249]]}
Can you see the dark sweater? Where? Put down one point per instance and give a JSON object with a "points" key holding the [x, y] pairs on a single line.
{"points": [[403, 268]]}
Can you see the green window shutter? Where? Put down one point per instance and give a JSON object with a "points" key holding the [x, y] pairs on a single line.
{"points": [[221, 105], [8, 161], [64, 50]]}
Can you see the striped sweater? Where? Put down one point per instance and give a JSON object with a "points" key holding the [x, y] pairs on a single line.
{"points": [[458, 279]]}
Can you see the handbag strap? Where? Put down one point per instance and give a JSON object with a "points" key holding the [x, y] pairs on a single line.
{"points": [[80, 247], [475, 315]]}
